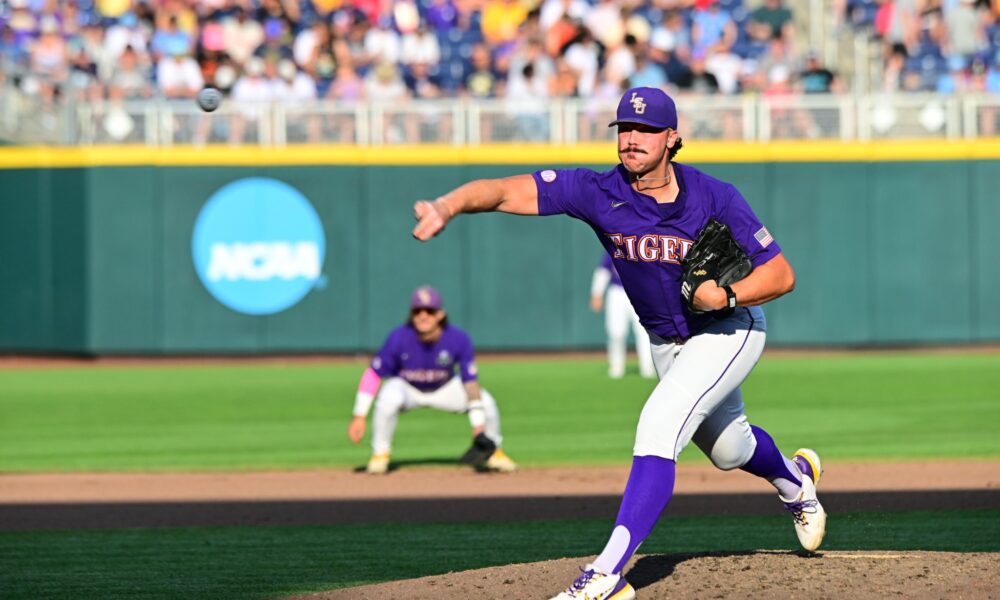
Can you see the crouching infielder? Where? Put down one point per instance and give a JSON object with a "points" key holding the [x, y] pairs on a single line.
{"points": [[416, 369]]}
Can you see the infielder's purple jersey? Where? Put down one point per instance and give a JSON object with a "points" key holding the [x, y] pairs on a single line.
{"points": [[607, 263], [647, 240], [426, 366]]}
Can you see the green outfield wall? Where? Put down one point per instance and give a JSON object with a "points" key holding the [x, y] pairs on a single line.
{"points": [[97, 258]]}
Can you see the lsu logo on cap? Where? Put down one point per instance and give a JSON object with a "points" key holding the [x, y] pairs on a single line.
{"points": [[638, 104], [425, 296]]}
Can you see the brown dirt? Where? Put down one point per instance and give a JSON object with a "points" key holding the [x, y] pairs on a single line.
{"points": [[456, 482], [735, 575], [44, 361], [417, 494]]}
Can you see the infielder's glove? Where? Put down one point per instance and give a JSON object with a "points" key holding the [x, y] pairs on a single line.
{"points": [[714, 255], [482, 449]]}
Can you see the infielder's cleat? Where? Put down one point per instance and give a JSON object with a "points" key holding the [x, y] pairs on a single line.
{"points": [[378, 464], [499, 461], [597, 585], [808, 513]]}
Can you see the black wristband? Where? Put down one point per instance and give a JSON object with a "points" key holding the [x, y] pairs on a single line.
{"points": [[730, 297]]}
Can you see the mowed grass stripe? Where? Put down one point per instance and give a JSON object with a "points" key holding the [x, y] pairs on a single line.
{"points": [[561, 411], [266, 562]]}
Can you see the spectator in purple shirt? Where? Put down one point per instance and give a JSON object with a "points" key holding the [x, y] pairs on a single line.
{"points": [[416, 368], [441, 15]]}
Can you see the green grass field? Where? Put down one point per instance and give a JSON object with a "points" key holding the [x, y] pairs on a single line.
{"points": [[872, 406], [268, 562]]}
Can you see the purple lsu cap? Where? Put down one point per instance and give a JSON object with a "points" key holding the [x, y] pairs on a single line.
{"points": [[426, 297], [648, 106]]}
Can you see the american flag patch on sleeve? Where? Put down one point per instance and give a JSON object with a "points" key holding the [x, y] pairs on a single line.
{"points": [[763, 237]]}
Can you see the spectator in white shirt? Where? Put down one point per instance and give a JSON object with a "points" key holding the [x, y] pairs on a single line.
{"points": [[251, 92], [307, 42], [553, 10], [296, 91], [384, 86], [128, 32], [253, 87], [726, 67], [292, 85], [421, 46], [605, 22], [179, 76], [527, 99], [242, 36], [582, 57], [382, 43], [621, 59]]}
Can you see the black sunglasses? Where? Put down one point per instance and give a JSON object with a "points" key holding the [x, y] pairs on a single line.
{"points": [[422, 309]]}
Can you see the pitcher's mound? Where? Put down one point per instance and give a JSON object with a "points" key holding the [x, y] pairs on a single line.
{"points": [[750, 574]]}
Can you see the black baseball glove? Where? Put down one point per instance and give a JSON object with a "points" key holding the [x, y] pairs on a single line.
{"points": [[481, 450], [714, 255]]}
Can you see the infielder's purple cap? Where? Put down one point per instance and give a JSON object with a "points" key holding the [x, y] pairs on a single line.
{"points": [[426, 297], [648, 106]]}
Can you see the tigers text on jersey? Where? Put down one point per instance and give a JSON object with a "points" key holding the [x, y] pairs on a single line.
{"points": [[648, 240], [426, 366]]}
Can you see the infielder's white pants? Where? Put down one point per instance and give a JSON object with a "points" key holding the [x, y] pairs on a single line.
{"points": [[618, 315], [698, 396], [397, 396]]}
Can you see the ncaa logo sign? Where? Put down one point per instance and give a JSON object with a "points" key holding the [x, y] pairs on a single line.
{"points": [[258, 246]]}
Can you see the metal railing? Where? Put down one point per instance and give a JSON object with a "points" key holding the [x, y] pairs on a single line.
{"points": [[464, 122]]}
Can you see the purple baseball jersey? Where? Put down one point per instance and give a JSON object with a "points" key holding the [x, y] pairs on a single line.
{"points": [[426, 367], [647, 240], [609, 264]]}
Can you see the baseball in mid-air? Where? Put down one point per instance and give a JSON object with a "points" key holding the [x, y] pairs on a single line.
{"points": [[209, 99]]}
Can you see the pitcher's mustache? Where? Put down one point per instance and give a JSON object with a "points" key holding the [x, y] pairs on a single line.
{"points": [[632, 149]]}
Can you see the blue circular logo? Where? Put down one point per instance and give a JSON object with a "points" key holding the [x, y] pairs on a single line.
{"points": [[258, 246]]}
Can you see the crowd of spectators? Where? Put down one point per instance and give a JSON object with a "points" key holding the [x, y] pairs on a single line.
{"points": [[942, 46], [386, 50]]}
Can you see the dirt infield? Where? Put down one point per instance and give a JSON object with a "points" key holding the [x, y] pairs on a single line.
{"points": [[45, 361], [735, 575], [416, 494], [49, 361]]}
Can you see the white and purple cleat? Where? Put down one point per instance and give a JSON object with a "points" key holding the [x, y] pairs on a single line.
{"points": [[808, 513], [593, 584]]}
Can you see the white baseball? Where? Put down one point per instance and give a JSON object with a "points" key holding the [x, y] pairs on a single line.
{"points": [[209, 99]]}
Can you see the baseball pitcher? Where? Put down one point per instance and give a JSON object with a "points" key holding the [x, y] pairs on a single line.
{"points": [[703, 316]]}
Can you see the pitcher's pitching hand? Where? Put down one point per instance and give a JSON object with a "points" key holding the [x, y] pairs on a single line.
{"points": [[431, 219]]}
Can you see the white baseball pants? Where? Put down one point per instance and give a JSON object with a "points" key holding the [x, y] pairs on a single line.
{"points": [[618, 316], [698, 396], [396, 396]]}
